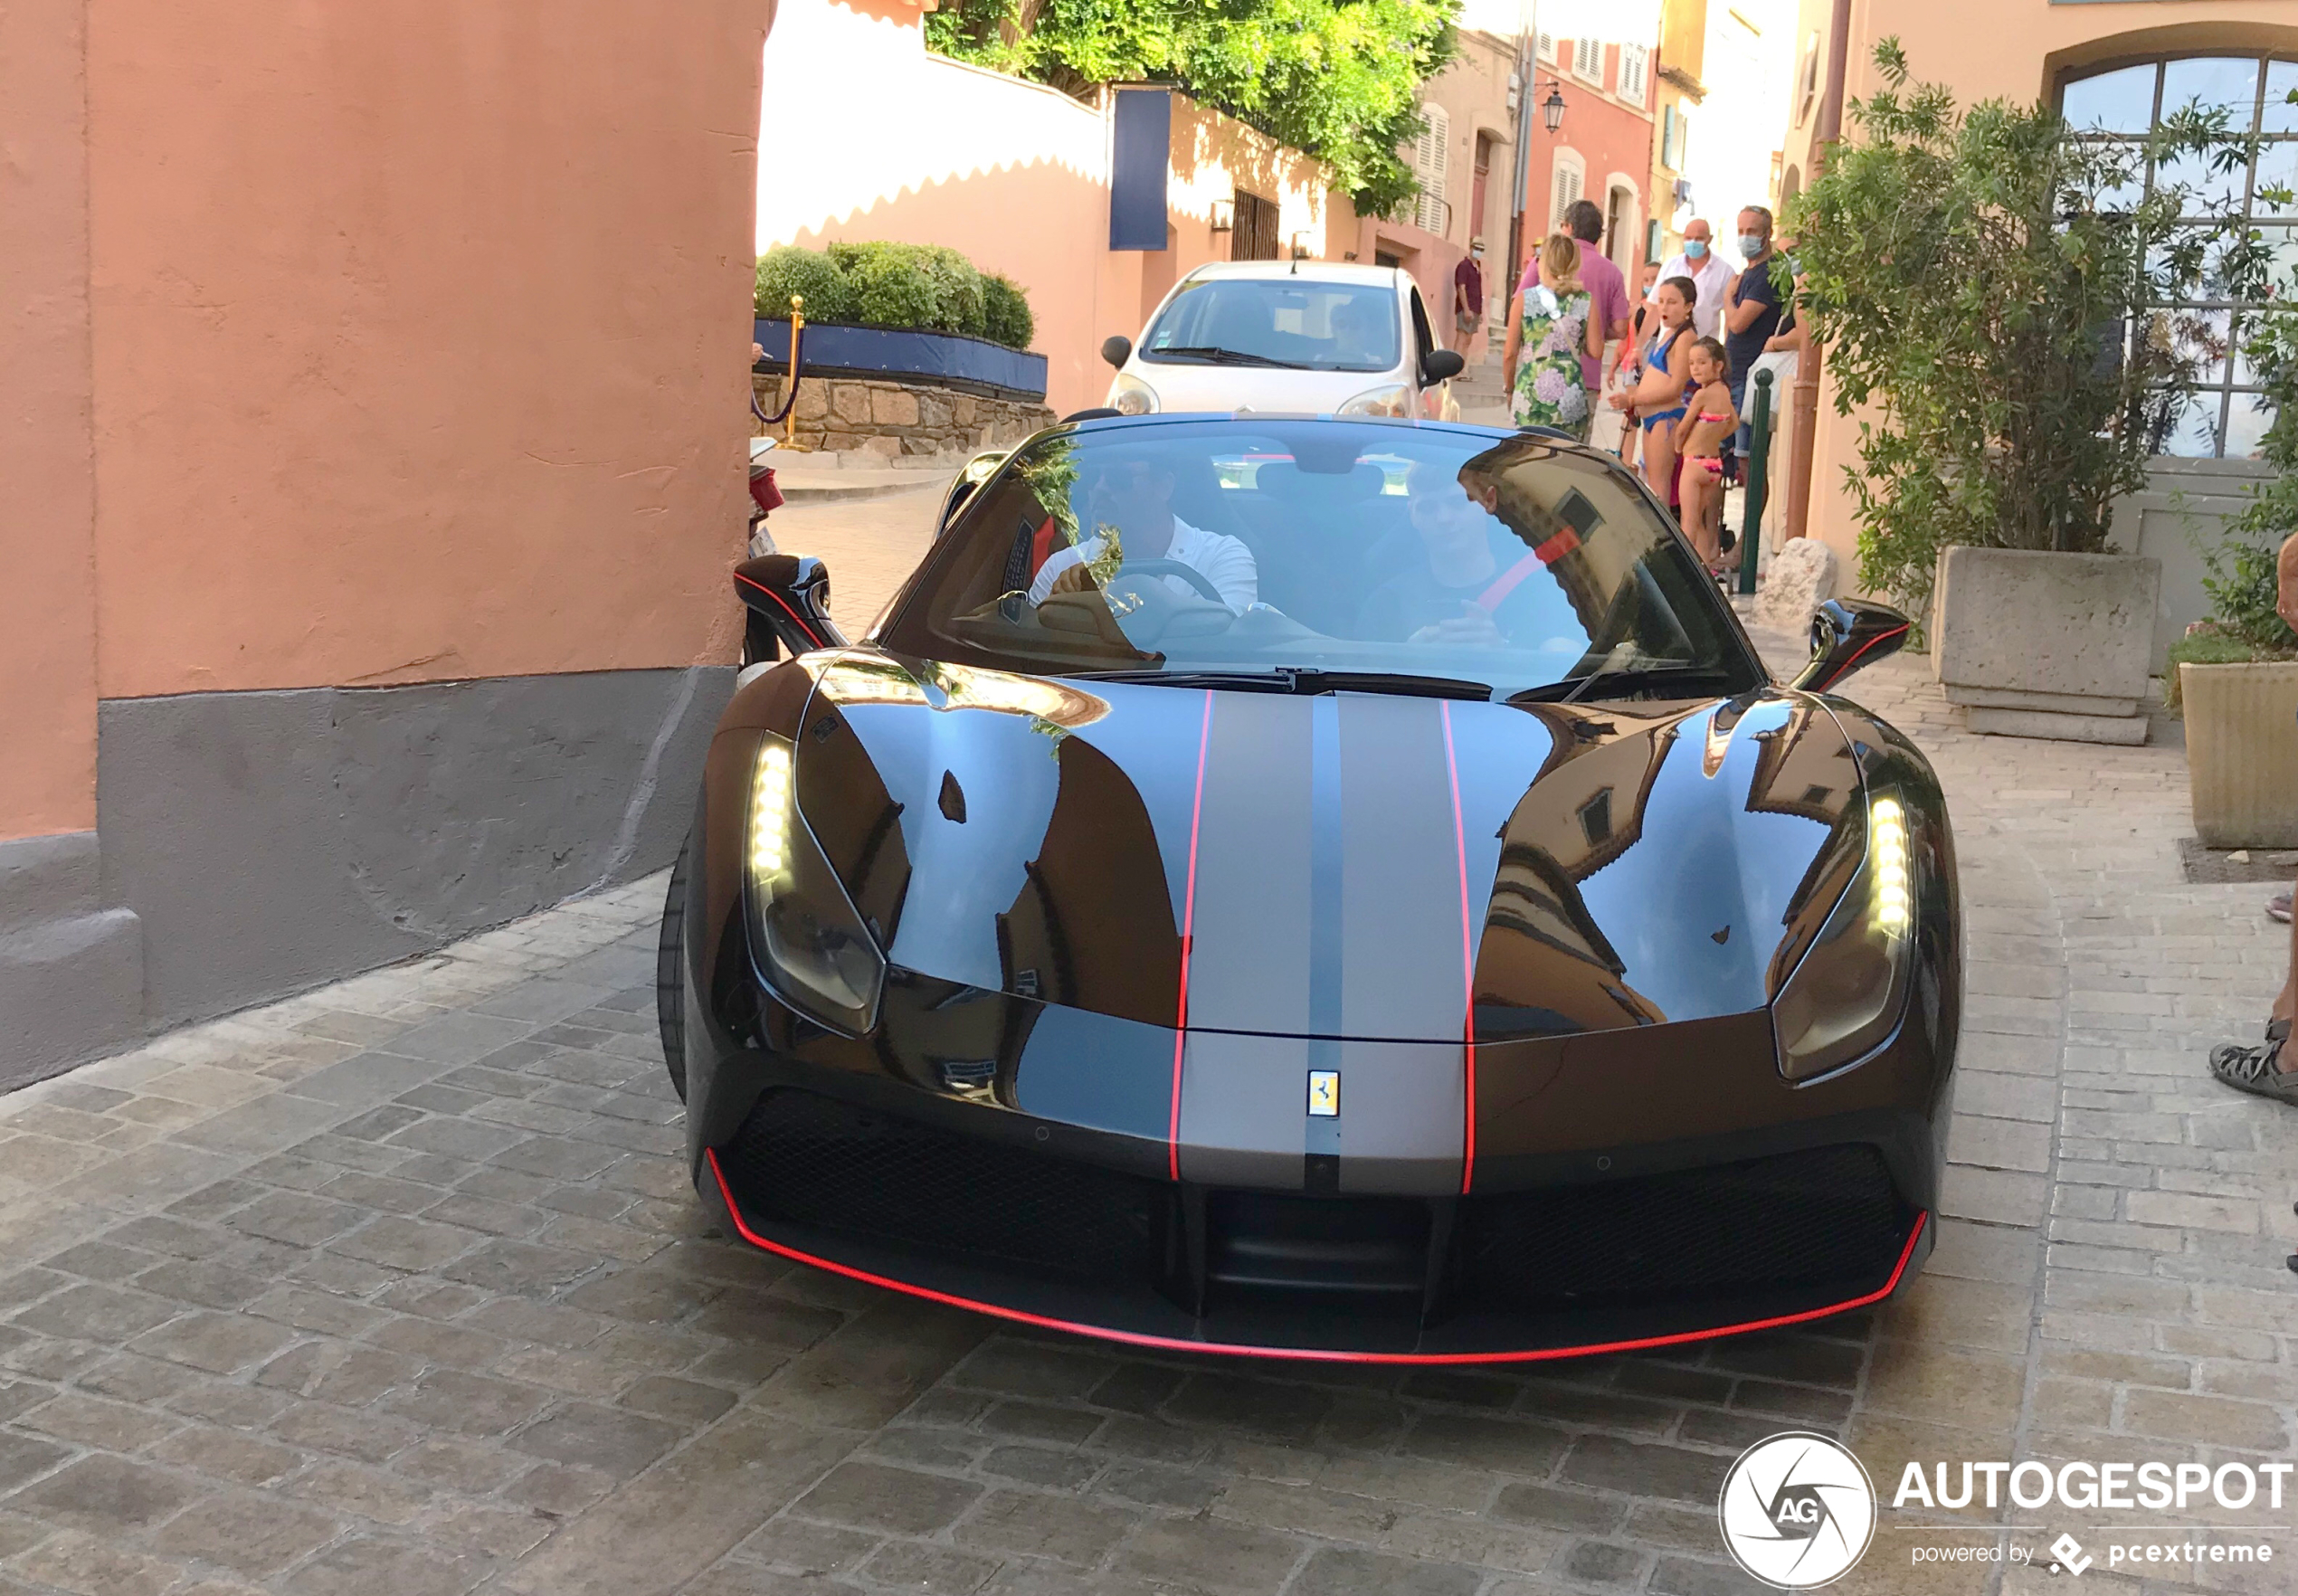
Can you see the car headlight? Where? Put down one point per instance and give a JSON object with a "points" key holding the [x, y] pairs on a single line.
{"points": [[1850, 987], [1129, 395], [808, 942], [1392, 399]]}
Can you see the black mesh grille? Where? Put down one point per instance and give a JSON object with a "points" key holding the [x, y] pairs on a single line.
{"points": [[1816, 1218], [812, 1161]]}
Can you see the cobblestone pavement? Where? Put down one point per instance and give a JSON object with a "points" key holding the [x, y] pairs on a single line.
{"points": [[398, 1287]]}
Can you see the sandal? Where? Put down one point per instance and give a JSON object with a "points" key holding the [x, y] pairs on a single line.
{"points": [[2258, 1069]]}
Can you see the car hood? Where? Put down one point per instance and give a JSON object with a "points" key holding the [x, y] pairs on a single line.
{"points": [[1363, 865]]}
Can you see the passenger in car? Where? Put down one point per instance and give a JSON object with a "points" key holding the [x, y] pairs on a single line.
{"points": [[1465, 587]]}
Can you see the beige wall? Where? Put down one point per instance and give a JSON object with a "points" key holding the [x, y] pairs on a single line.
{"points": [[2027, 44], [47, 558]]}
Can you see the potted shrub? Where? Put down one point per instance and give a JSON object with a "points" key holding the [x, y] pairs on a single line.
{"points": [[1992, 293], [2237, 672]]}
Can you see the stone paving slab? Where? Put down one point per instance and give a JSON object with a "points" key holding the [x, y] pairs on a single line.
{"points": [[399, 1286]]}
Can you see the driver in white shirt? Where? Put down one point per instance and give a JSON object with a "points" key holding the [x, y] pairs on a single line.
{"points": [[1134, 499]]}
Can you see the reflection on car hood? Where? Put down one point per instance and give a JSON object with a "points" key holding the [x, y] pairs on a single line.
{"points": [[1340, 865]]}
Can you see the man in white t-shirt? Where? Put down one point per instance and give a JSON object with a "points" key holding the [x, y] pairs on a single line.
{"points": [[1135, 499], [1709, 273]]}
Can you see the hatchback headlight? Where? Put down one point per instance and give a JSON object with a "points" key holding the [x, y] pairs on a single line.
{"points": [[1129, 395], [1851, 986], [807, 941], [1391, 399]]}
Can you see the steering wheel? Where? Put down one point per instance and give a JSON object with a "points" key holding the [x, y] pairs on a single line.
{"points": [[1186, 572]]}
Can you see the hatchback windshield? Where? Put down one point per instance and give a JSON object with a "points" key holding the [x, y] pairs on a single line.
{"points": [[1288, 321], [1280, 554]]}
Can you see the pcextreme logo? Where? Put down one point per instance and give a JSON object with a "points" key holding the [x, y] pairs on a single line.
{"points": [[1796, 1511]]}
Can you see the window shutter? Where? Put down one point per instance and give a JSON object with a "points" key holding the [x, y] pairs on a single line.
{"points": [[1546, 45], [1570, 183], [1633, 63], [1428, 164], [1588, 58]]}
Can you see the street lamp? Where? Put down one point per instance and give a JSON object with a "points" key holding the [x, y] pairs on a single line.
{"points": [[1552, 109]]}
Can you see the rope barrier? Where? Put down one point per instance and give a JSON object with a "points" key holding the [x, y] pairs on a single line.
{"points": [[790, 397]]}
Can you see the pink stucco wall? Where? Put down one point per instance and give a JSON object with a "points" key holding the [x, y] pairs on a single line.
{"points": [[419, 337], [47, 565]]}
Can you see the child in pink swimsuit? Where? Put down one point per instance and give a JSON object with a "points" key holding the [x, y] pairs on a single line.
{"points": [[1708, 419]]}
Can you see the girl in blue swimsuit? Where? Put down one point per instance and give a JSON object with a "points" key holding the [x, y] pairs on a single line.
{"points": [[1659, 394]]}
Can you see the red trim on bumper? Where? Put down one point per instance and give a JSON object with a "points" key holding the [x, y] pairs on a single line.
{"points": [[1312, 1354]]}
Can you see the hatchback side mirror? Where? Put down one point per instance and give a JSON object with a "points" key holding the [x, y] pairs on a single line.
{"points": [[1117, 350], [1439, 364], [790, 595], [1846, 635]]}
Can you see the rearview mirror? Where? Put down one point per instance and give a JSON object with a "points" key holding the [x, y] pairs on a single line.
{"points": [[1847, 634], [789, 596], [1117, 350], [1439, 364]]}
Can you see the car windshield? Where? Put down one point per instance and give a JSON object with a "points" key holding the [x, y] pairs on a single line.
{"points": [[1292, 555], [1286, 321]]}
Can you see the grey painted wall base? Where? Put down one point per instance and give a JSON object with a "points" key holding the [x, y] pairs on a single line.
{"points": [[71, 965], [268, 842]]}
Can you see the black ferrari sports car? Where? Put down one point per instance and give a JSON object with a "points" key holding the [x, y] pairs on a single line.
{"points": [[1316, 888]]}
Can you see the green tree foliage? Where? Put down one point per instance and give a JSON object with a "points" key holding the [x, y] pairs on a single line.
{"points": [[1339, 78], [916, 288], [2242, 579], [1992, 294]]}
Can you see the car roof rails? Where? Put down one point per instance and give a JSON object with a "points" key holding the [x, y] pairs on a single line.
{"points": [[1097, 413]]}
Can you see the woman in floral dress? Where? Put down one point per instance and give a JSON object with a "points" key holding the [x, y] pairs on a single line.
{"points": [[1550, 327]]}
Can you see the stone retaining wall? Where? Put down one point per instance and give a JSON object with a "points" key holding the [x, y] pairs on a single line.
{"points": [[898, 419]]}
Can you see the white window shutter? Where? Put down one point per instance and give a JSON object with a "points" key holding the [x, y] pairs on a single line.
{"points": [[1588, 58], [1546, 45], [1435, 144], [1634, 62]]}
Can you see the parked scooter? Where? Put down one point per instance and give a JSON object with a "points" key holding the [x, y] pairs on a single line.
{"points": [[765, 497]]}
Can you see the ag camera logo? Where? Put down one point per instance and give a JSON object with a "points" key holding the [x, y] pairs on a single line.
{"points": [[1796, 1511]]}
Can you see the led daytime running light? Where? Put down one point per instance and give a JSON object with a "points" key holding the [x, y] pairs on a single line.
{"points": [[1893, 906], [770, 814]]}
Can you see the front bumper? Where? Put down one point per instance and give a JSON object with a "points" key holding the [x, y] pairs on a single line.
{"points": [[978, 1151]]}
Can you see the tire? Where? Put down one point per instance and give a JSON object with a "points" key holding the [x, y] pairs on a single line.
{"points": [[669, 979]]}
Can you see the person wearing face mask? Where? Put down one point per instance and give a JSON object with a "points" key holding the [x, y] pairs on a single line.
{"points": [[1468, 299], [1751, 314], [1708, 273]]}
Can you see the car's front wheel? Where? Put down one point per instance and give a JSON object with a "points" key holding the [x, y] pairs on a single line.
{"points": [[670, 980]]}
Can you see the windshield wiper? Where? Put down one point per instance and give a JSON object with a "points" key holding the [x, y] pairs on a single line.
{"points": [[1297, 678], [1214, 353], [1577, 688]]}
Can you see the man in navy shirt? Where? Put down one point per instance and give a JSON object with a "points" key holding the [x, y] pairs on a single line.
{"points": [[1751, 314]]}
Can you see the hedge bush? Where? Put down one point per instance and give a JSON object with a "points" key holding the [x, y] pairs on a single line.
{"points": [[1008, 316], [915, 288], [787, 269]]}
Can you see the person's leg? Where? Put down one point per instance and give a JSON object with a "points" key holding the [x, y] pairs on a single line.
{"points": [[1659, 461], [2286, 1000]]}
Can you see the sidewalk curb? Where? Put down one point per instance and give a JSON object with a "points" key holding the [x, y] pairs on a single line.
{"points": [[824, 493]]}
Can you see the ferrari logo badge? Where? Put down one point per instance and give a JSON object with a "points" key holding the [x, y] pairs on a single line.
{"points": [[1325, 1093]]}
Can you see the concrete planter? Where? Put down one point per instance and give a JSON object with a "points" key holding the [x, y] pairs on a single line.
{"points": [[2035, 644], [2242, 753]]}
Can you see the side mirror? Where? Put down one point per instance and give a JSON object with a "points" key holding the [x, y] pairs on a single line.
{"points": [[1438, 364], [1117, 350], [790, 595], [1846, 634], [976, 472]]}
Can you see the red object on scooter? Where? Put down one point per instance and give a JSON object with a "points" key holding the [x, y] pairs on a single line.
{"points": [[763, 492]]}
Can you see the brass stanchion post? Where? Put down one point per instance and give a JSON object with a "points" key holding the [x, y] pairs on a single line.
{"points": [[797, 327]]}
